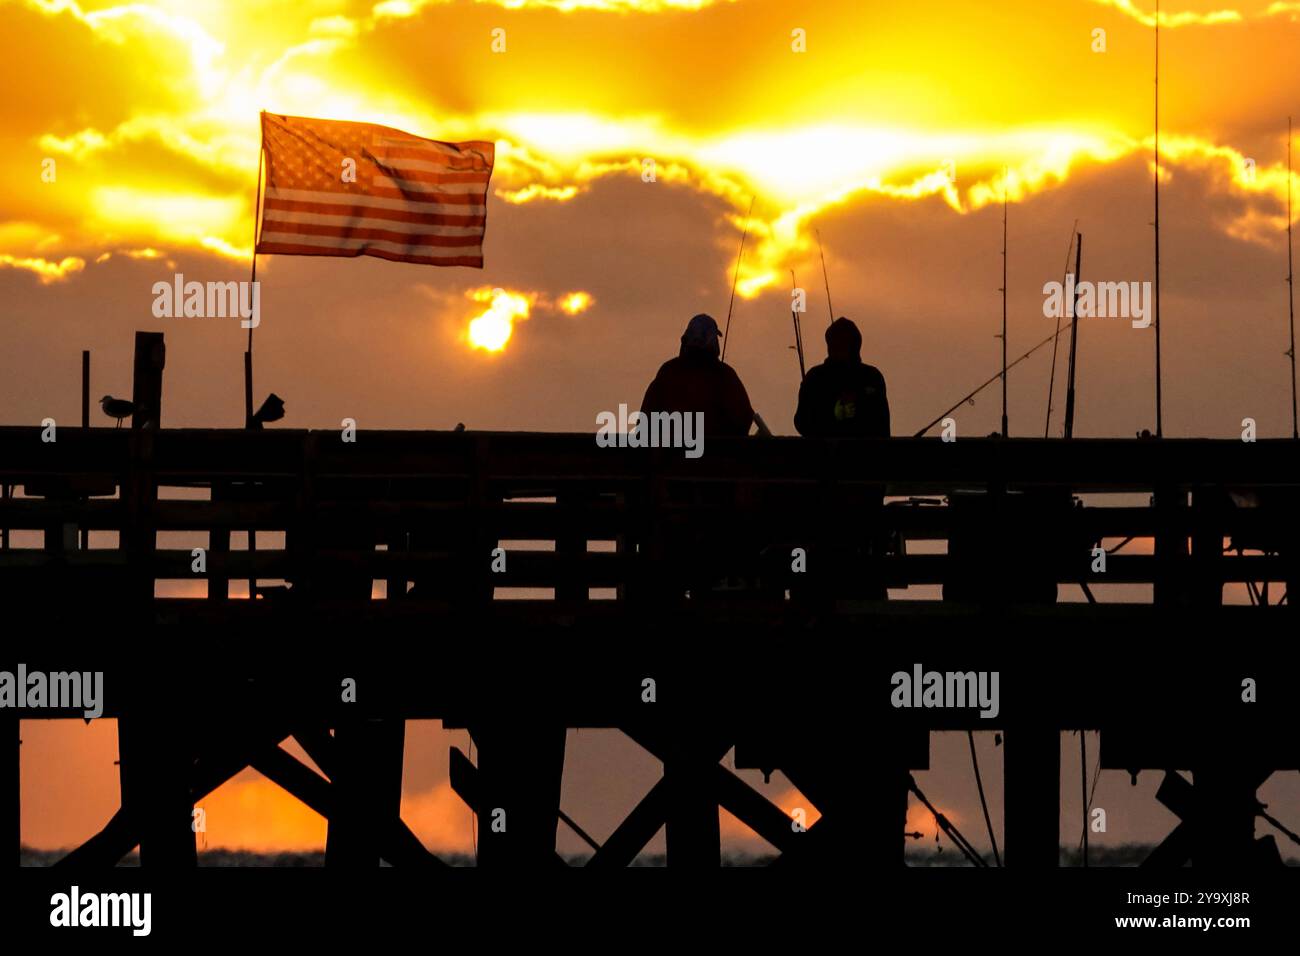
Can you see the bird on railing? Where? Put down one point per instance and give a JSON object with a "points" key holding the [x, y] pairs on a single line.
{"points": [[118, 408]]}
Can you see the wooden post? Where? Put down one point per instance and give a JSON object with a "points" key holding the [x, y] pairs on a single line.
{"points": [[156, 762], [570, 547], [150, 359], [85, 388], [1223, 814], [1170, 545], [218, 544], [367, 781], [10, 787], [690, 771], [85, 422], [1032, 825], [877, 827], [1206, 586], [520, 769]]}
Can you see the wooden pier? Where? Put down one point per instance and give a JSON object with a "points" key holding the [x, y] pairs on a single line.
{"points": [[519, 584]]}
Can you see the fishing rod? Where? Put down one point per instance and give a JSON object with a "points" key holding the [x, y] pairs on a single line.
{"points": [[1074, 340], [1051, 381], [825, 276], [736, 277], [798, 333], [969, 396], [1003, 290], [946, 825]]}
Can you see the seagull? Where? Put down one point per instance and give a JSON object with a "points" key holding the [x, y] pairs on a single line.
{"points": [[118, 408]]}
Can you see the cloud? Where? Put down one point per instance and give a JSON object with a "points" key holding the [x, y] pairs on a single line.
{"points": [[1168, 19], [46, 270], [183, 174]]}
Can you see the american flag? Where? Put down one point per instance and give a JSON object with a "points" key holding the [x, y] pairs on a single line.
{"points": [[410, 199]]}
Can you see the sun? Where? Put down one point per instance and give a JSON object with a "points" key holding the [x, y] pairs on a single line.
{"points": [[491, 329]]}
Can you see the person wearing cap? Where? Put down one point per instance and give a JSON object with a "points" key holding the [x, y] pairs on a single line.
{"points": [[697, 380], [843, 397]]}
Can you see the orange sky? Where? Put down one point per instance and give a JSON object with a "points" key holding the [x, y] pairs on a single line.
{"points": [[889, 134]]}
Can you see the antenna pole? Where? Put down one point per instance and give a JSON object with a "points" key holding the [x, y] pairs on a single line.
{"points": [[1074, 340], [825, 276], [1290, 280], [736, 277], [1156, 154], [1004, 303]]}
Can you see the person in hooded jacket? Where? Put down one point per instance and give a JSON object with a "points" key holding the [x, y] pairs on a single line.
{"points": [[843, 397]]}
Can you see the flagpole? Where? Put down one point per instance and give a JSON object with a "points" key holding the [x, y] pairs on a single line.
{"points": [[248, 355]]}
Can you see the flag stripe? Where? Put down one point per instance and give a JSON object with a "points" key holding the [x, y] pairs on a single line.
{"points": [[328, 211], [274, 227], [419, 159], [408, 185], [399, 204], [410, 174], [451, 258], [337, 188], [387, 140]]}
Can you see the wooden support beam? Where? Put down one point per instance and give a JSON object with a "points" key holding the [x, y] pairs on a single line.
{"points": [[1209, 506], [367, 765], [1224, 816], [755, 811], [393, 839], [692, 828], [637, 829], [1171, 576], [571, 548], [464, 779], [1032, 805], [156, 765], [520, 766], [218, 544], [213, 767]]}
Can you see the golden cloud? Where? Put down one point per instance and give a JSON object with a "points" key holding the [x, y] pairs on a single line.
{"points": [[45, 270], [184, 176]]}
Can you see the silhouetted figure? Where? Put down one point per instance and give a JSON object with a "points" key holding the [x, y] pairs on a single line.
{"points": [[843, 397], [697, 380], [691, 555]]}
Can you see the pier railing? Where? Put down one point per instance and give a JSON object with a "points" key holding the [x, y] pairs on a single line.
{"points": [[462, 517]]}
